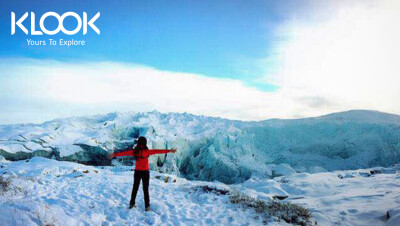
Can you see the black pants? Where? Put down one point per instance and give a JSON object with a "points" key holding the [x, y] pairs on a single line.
{"points": [[145, 176]]}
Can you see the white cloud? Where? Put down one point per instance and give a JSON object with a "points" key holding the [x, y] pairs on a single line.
{"points": [[341, 61], [349, 59], [37, 90]]}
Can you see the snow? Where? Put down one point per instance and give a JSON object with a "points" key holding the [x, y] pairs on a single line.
{"points": [[3, 160], [46, 191], [394, 219], [61, 193], [262, 188], [357, 200], [282, 170], [218, 149]]}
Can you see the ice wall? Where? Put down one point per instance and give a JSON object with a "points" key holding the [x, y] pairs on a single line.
{"points": [[215, 148]]}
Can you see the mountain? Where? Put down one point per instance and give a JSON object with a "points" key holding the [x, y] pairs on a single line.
{"points": [[213, 148]]}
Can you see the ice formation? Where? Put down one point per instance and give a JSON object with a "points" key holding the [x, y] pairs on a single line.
{"points": [[213, 148]]}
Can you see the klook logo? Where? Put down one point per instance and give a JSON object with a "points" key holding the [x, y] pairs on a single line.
{"points": [[81, 23]]}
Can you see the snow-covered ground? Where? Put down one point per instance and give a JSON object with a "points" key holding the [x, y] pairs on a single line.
{"points": [[50, 192], [214, 148]]}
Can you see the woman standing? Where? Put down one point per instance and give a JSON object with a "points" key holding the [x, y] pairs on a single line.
{"points": [[141, 153]]}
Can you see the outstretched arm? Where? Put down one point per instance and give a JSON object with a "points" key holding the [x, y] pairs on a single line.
{"points": [[124, 153], [157, 151]]}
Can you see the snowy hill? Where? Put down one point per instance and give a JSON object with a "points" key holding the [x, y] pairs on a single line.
{"points": [[214, 148]]}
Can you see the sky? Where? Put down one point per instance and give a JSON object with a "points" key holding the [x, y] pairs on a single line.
{"points": [[247, 60]]}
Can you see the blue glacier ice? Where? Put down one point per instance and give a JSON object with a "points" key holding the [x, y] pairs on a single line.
{"points": [[211, 148]]}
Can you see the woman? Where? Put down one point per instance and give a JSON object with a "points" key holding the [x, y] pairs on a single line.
{"points": [[141, 153]]}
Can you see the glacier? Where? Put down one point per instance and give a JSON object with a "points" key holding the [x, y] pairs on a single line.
{"points": [[209, 148]]}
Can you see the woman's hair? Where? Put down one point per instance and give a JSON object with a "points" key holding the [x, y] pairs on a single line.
{"points": [[140, 145]]}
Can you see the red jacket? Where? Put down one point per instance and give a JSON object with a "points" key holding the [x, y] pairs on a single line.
{"points": [[142, 163]]}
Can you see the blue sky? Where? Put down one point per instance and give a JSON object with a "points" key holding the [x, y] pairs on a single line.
{"points": [[215, 38], [246, 60]]}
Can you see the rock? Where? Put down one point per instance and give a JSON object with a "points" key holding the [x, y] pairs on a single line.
{"points": [[166, 179], [375, 171], [280, 197]]}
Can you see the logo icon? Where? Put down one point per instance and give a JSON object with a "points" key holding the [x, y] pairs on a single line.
{"points": [[82, 23]]}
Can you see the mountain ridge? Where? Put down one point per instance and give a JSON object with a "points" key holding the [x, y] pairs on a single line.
{"points": [[396, 117]]}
